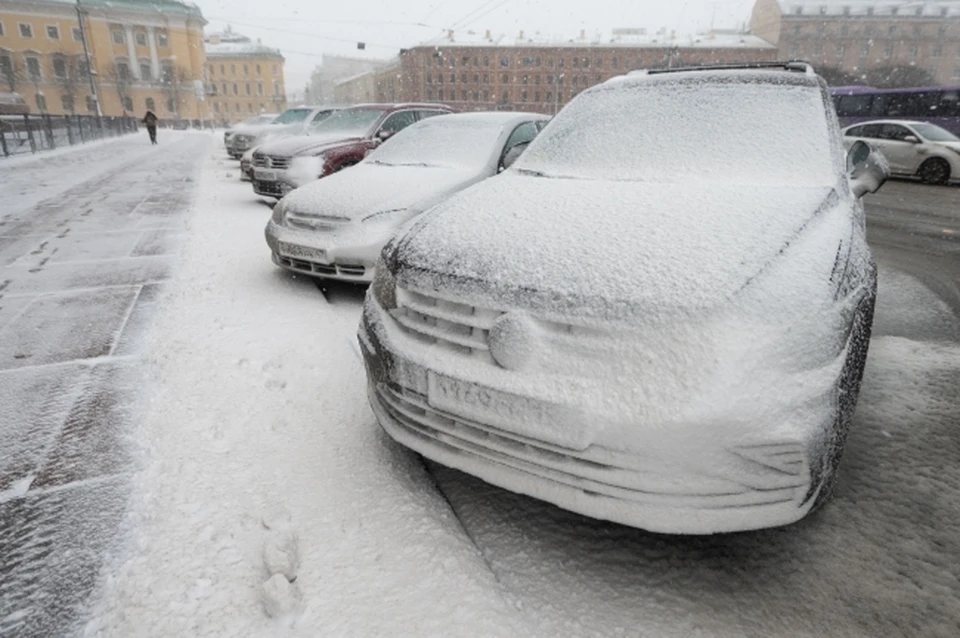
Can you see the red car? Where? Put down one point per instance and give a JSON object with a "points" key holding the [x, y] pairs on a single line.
{"points": [[339, 141]]}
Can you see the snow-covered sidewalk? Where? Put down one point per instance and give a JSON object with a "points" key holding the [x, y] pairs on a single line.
{"points": [[263, 457]]}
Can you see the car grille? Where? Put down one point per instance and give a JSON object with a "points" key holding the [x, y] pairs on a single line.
{"points": [[321, 269], [271, 161], [268, 188], [304, 221], [461, 326], [632, 478]]}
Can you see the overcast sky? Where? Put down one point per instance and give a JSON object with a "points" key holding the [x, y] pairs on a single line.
{"points": [[305, 29]]}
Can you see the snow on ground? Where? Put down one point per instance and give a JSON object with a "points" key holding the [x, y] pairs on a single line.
{"points": [[263, 458]]}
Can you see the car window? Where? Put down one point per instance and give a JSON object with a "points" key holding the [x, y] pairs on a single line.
{"points": [[894, 132], [425, 113], [398, 121], [523, 133], [321, 116], [856, 131], [871, 131]]}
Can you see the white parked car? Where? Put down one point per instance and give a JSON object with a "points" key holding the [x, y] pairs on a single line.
{"points": [[294, 121], [914, 149], [335, 227], [659, 315]]}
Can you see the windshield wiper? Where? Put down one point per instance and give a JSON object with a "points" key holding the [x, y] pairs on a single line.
{"points": [[530, 171]]}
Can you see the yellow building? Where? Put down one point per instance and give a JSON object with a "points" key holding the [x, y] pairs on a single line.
{"points": [[146, 54], [243, 77]]}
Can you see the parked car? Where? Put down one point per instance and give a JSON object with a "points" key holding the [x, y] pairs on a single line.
{"points": [[913, 149], [659, 315], [293, 121], [257, 120], [338, 142], [336, 227]]}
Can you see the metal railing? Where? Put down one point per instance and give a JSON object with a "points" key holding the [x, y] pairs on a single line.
{"points": [[20, 134]]}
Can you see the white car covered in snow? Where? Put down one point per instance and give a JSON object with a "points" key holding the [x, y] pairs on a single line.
{"points": [[294, 121], [912, 149], [335, 227], [659, 315]]}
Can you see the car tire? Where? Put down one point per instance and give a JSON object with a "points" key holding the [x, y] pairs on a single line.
{"points": [[935, 170], [848, 391]]}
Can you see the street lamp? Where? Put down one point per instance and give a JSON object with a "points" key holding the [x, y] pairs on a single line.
{"points": [[86, 53]]}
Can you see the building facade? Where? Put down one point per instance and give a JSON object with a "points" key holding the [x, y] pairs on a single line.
{"points": [[869, 42], [332, 70], [243, 77], [536, 76], [145, 54]]}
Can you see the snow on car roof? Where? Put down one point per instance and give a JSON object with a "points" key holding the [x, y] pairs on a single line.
{"points": [[490, 117]]}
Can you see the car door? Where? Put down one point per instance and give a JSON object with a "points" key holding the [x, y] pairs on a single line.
{"points": [[903, 155], [397, 121]]}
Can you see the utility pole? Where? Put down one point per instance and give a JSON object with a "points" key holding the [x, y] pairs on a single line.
{"points": [[86, 54]]}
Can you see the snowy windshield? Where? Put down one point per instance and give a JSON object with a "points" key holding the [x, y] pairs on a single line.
{"points": [[292, 115], [349, 121], [441, 142], [933, 133], [651, 132]]}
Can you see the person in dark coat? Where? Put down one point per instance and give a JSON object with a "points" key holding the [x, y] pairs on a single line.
{"points": [[151, 121]]}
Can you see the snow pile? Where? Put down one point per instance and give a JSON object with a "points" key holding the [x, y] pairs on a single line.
{"points": [[271, 503]]}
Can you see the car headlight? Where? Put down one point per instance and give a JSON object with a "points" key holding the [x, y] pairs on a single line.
{"points": [[384, 286], [279, 210]]}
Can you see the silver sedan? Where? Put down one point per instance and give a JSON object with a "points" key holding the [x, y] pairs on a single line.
{"points": [[335, 228]]}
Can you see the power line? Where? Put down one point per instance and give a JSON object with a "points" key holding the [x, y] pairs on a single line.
{"points": [[470, 14], [491, 10], [315, 36]]}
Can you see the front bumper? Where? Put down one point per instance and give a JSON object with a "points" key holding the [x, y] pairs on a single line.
{"points": [[349, 258], [644, 476]]}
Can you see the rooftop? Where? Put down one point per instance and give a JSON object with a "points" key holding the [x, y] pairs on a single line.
{"points": [[810, 8], [230, 44], [167, 7], [617, 38]]}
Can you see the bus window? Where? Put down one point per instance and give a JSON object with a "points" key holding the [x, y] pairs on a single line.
{"points": [[852, 105], [922, 104], [880, 105], [949, 104], [896, 104]]}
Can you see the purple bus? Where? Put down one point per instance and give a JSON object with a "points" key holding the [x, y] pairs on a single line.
{"points": [[938, 105]]}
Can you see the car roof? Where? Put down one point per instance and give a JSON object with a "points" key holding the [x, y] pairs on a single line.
{"points": [[390, 106], [716, 74], [884, 122], [492, 117]]}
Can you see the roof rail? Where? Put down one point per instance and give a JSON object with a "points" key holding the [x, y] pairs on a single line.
{"points": [[798, 66]]}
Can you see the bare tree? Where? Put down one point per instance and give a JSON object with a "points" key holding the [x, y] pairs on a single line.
{"points": [[12, 71], [68, 76], [121, 82], [835, 76], [177, 83]]}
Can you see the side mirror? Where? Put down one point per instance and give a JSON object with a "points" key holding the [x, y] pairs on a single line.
{"points": [[867, 169], [385, 135], [512, 154], [913, 139]]}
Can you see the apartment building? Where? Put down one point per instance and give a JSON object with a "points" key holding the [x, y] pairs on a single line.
{"points": [[243, 77]]}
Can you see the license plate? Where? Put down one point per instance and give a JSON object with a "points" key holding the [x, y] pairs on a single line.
{"points": [[530, 418], [264, 176], [302, 252]]}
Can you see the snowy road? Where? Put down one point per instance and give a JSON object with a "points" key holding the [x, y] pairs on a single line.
{"points": [[255, 441]]}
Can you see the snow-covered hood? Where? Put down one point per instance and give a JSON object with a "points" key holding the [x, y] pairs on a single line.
{"points": [[368, 188], [584, 248], [305, 144]]}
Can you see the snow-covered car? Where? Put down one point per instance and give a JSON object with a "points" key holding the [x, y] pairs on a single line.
{"points": [[334, 144], [294, 121], [659, 315], [912, 149], [257, 120], [246, 165], [335, 227]]}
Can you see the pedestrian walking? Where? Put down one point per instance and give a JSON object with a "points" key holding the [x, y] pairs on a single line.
{"points": [[151, 121]]}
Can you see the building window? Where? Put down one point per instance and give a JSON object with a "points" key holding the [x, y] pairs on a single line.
{"points": [[250, 107], [864, 49], [77, 34], [841, 50], [614, 63], [223, 71], [797, 30], [53, 32], [258, 69], [123, 70], [91, 104], [463, 95], [66, 101], [145, 73], [888, 51], [486, 78], [171, 105], [246, 70], [525, 80], [259, 88], [821, 29], [817, 50], [233, 69], [504, 78], [937, 51], [453, 78], [275, 71], [956, 72], [794, 50], [476, 78], [224, 87], [844, 31], [429, 78], [216, 107], [6, 66], [141, 39], [41, 102], [236, 107], [248, 89], [60, 67], [917, 31], [868, 31], [167, 72], [33, 69], [26, 30], [236, 91], [891, 32], [486, 60], [162, 40], [118, 36], [504, 62], [914, 50], [439, 94], [128, 104], [2, 32], [276, 88]]}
